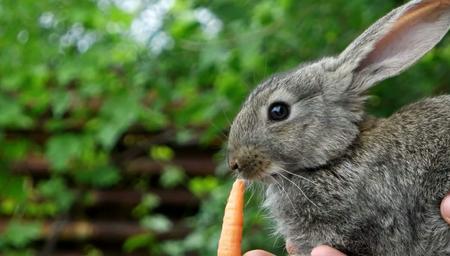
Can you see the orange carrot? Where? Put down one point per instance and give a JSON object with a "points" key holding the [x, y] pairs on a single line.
{"points": [[231, 236]]}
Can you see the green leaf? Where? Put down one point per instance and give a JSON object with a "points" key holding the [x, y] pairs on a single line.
{"points": [[12, 114], [138, 241], [16, 149], [202, 186], [147, 204], [173, 248], [172, 176], [184, 136], [7, 206], [103, 176], [150, 201], [161, 153], [12, 187], [157, 223], [19, 234], [118, 113], [57, 190], [154, 119], [62, 149], [60, 102], [20, 252]]}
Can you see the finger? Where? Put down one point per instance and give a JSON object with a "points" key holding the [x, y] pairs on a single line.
{"points": [[290, 248], [445, 208], [324, 250], [258, 253]]}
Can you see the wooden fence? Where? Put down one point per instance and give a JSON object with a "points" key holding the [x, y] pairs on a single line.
{"points": [[106, 221]]}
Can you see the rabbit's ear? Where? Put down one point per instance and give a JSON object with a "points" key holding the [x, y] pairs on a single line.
{"points": [[396, 41]]}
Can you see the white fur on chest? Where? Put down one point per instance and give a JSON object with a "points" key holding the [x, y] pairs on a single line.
{"points": [[284, 212]]}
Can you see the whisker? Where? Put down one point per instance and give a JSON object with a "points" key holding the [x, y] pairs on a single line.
{"points": [[228, 119], [276, 241], [252, 193], [287, 195], [220, 131], [297, 175], [293, 183], [258, 190]]}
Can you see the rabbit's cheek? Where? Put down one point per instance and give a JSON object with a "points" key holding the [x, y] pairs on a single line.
{"points": [[255, 167]]}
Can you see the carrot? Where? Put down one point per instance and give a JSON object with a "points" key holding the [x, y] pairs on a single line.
{"points": [[231, 236]]}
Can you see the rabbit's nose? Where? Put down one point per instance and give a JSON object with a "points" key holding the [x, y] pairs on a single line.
{"points": [[233, 164]]}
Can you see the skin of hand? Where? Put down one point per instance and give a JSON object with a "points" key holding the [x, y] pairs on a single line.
{"points": [[324, 250]]}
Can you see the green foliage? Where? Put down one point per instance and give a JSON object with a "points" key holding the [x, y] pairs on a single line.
{"points": [[57, 191], [157, 223], [101, 176], [138, 241], [82, 73], [161, 153], [12, 187], [203, 186], [18, 234], [172, 176]]}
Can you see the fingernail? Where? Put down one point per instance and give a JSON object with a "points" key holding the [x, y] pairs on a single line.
{"points": [[445, 208]]}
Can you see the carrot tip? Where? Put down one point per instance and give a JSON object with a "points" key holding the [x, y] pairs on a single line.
{"points": [[231, 236]]}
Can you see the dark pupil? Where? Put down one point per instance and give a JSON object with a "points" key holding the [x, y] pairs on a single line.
{"points": [[278, 111]]}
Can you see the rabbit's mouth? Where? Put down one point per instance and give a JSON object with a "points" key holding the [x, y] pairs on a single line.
{"points": [[266, 174], [254, 174]]}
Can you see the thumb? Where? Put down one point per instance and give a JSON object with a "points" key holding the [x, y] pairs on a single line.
{"points": [[258, 253], [445, 209], [324, 250]]}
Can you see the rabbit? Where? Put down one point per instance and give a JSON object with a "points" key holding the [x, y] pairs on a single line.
{"points": [[334, 175]]}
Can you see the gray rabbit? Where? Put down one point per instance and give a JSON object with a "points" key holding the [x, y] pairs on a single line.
{"points": [[338, 177]]}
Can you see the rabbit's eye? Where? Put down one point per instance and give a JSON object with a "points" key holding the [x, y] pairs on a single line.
{"points": [[278, 111]]}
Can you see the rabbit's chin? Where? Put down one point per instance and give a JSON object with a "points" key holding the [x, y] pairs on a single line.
{"points": [[261, 176]]}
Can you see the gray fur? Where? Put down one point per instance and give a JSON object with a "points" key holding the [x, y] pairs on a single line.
{"points": [[337, 177]]}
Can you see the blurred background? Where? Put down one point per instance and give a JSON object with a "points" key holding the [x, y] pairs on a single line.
{"points": [[114, 114]]}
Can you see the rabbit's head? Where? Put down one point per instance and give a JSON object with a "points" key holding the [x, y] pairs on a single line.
{"points": [[306, 117]]}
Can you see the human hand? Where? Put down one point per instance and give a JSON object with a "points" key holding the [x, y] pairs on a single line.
{"points": [[324, 250], [445, 208]]}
